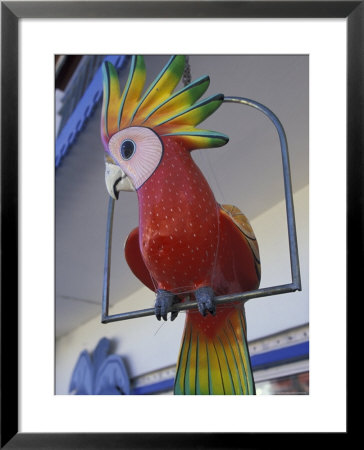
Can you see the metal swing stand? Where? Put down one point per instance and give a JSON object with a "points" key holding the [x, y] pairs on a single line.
{"points": [[295, 285]]}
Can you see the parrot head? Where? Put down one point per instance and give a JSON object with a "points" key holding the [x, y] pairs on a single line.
{"points": [[137, 126]]}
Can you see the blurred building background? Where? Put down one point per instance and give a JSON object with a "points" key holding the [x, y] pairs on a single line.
{"points": [[247, 172]]}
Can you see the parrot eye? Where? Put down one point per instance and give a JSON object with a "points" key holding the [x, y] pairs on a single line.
{"points": [[138, 151], [127, 149]]}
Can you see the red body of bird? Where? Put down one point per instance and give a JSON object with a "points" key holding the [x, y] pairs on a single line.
{"points": [[178, 222]]}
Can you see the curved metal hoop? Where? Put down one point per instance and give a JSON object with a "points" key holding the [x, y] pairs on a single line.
{"points": [[295, 285]]}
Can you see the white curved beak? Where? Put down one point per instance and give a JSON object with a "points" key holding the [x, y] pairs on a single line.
{"points": [[116, 180]]}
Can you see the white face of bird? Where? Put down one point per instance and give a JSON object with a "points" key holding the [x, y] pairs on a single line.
{"points": [[116, 180]]}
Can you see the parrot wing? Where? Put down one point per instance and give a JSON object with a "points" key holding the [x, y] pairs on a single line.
{"points": [[135, 260], [238, 264], [243, 224]]}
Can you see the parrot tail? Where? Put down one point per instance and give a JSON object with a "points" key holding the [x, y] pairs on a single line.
{"points": [[214, 356]]}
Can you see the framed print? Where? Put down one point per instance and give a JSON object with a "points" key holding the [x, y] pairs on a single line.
{"points": [[32, 416]]}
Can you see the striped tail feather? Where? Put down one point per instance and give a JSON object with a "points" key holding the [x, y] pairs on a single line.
{"points": [[214, 357]]}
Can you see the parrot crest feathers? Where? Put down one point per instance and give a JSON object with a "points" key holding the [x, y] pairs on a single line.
{"points": [[166, 113]]}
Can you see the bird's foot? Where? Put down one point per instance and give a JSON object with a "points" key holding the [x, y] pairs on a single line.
{"points": [[164, 301], [205, 300]]}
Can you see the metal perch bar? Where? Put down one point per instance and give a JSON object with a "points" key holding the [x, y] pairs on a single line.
{"points": [[242, 296]]}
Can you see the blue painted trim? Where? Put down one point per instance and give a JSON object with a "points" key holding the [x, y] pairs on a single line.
{"points": [[84, 109], [100, 373], [260, 361], [154, 388], [280, 356]]}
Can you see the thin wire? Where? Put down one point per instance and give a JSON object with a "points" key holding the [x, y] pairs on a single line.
{"points": [[222, 196], [187, 77], [163, 323]]}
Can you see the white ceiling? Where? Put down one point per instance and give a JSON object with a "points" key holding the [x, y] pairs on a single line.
{"points": [[248, 167]]}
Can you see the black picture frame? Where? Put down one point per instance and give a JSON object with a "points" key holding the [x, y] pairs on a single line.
{"points": [[11, 13]]}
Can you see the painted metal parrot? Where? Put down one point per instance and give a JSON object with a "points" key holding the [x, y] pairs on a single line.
{"points": [[186, 245]]}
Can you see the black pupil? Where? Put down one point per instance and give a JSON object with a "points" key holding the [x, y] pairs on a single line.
{"points": [[127, 149]]}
